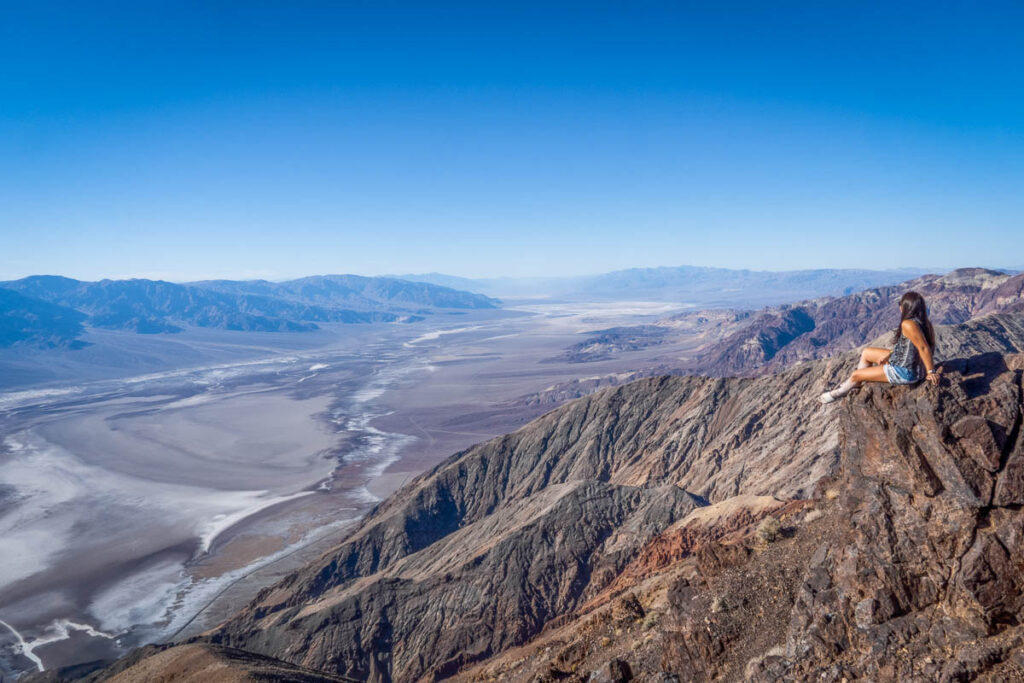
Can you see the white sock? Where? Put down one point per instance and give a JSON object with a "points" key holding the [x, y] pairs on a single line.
{"points": [[863, 364], [844, 388]]}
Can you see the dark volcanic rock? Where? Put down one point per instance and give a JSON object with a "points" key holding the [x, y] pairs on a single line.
{"points": [[919, 576], [929, 563], [614, 671]]}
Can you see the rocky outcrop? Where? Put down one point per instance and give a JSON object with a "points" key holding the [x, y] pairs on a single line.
{"points": [[925, 580], [905, 565]]}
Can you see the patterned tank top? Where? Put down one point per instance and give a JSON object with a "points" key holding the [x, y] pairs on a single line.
{"points": [[904, 353]]}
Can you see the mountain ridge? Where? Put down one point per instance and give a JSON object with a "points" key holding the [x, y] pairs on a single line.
{"points": [[707, 285], [814, 329], [24, 319], [159, 307]]}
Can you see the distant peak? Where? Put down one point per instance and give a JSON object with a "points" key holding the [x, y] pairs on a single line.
{"points": [[984, 277]]}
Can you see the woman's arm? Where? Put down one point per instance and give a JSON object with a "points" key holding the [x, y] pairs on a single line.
{"points": [[913, 332]]}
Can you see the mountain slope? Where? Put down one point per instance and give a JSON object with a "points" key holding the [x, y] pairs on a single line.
{"points": [[904, 566], [356, 292], [26, 320], [500, 541]]}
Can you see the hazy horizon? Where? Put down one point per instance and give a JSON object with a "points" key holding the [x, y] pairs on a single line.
{"points": [[551, 276]]}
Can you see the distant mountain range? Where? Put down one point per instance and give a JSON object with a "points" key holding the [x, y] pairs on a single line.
{"points": [[56, 310], [706, 286], [51, 311]]}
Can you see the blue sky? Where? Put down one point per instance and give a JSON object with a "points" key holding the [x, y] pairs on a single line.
{"points": [[254, 139]]}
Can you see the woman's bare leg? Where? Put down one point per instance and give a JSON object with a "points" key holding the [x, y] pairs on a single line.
{"points": [[875, 373], [873, 355]]}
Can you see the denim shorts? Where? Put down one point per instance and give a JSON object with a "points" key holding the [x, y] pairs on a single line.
{"points": [[897, 374]]}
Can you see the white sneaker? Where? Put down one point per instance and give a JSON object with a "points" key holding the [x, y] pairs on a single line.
{"points": [[827, 397]]}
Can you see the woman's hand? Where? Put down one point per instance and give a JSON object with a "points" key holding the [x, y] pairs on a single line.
{"points": [[933, 377]]}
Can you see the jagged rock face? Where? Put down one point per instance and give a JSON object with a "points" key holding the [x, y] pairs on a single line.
{"points": [[919, 577], [483, 589], [756, 345], [930, 560], [998, 333]]}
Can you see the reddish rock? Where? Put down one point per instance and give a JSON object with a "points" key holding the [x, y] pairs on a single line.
{"points": [[615, 671]]}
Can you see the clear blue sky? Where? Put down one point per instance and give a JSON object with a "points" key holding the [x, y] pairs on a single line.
{"points": [[256, 139]]}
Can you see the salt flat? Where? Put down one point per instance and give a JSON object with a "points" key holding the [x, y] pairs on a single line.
{"points": [[251, 439]]}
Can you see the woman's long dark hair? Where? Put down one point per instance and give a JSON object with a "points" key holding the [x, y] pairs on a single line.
{"points": [[912, 308]]}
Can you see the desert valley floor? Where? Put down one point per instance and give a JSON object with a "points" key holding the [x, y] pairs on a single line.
{"points": [[140, 508]]}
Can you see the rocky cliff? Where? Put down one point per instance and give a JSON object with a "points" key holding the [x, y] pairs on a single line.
{"points": [[905, 564]]}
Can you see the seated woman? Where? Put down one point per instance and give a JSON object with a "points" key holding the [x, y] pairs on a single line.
{"points": [[910, 360]]}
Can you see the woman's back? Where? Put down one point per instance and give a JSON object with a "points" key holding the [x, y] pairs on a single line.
{"points": [[904, 353]]}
